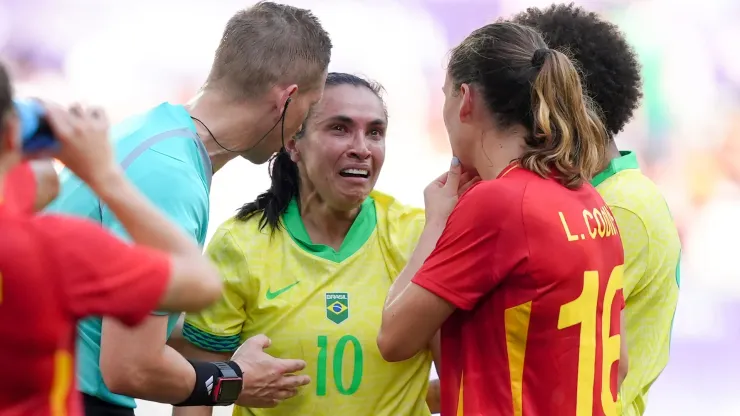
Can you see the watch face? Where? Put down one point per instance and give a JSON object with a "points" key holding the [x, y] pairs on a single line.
{"points": [[229, 389]]}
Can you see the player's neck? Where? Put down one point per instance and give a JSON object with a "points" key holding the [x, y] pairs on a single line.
{"points": [[498, 152], [324, 224], [219, 118], [612, 151]]}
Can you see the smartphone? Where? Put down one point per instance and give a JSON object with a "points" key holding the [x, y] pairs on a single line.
{"points": [[36, 134]]}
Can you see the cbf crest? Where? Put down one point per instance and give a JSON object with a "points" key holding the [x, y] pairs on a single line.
{"points": [[337, 307]]}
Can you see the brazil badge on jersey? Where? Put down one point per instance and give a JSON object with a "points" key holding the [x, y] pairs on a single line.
{"points": [[337, 307], [320, 305]]}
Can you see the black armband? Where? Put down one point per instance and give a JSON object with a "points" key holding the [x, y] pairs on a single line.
{"points": [[216, 384]]}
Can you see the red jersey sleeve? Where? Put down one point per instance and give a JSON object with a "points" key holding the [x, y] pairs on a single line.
{"points": [[20, 189], [482, 243], [101, 275]]}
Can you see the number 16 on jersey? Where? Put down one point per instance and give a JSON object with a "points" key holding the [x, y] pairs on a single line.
{"points": [[582, 311]]}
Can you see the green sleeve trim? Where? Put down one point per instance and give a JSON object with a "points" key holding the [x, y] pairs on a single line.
{"points": [[210, 342]]}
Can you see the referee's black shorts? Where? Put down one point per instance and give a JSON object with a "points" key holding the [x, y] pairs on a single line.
{"points": [[96, 407]]}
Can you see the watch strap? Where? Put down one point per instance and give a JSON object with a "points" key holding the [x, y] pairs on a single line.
{"points": [[226, 370]]}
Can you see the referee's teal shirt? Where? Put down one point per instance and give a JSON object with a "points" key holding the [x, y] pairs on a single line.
{"points": [[163, 156]]}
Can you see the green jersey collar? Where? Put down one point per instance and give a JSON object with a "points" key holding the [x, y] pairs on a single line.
{"points": [[627, 160], [360, 231]]}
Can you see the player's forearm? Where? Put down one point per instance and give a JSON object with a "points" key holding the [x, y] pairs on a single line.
{"points": [[433, 396], [170, 379], [143, 221], [190, 351], [425, 246]]}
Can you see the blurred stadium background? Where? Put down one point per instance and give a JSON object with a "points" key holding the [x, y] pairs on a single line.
{"points": [[129, 55]]}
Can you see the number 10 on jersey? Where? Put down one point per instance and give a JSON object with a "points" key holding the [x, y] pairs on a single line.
{"points": [[333, 356]]}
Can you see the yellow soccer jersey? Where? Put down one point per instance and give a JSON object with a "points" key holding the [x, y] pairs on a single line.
{"points": [[652, 253], [319, 305]]}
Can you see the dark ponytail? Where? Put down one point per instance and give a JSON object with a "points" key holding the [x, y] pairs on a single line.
{"points": [[273, 202]]}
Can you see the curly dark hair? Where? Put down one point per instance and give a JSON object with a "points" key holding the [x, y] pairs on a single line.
{"points": [[610, 69]]}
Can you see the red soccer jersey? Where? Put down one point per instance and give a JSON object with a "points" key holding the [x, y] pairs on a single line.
{"points": [[535, 272], [53, 271]]}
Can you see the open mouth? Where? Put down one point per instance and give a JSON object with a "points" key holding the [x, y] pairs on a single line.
{"points": [[354, 173]]}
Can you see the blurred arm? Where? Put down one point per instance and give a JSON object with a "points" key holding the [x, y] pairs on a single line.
{"points": [[101, 275], [195, 283], [136, 361]]}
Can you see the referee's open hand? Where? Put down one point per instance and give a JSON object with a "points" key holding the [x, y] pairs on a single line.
{"points": [[266, 380]]}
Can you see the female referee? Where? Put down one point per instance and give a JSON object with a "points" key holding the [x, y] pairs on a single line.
{"points": [[524, 277], [309, 264]]}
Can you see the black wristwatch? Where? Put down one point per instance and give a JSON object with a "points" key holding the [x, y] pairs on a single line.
{"points": [[227, 387]]}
